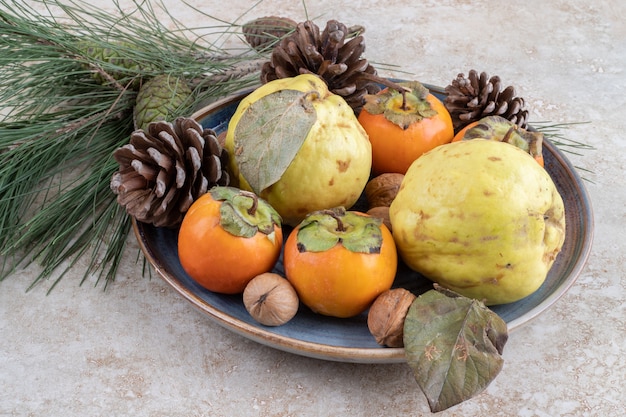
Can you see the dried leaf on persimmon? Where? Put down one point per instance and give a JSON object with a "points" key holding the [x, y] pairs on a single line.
{"points": [[454, 346]]}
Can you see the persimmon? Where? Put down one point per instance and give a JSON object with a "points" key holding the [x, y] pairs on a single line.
{"points": [[402, 124], [503, 130], [458, 136], [339, 261], [227, 237]]}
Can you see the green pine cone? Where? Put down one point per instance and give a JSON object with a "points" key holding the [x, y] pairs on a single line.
{"points": [[112, 62], [159, 99]]}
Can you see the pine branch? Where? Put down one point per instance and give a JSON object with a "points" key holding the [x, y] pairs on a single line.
{"points": [[67, 90]]}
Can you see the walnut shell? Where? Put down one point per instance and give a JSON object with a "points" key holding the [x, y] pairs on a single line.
{"points": [[381, 213], [270, 299], [380, 191], [385, 319]]}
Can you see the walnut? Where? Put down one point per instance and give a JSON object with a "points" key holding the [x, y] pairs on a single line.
{"points": [[382, 213], [385, 319], [270, 299], [380, 191]]}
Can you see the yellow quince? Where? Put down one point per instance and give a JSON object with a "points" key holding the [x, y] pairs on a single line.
{"points": [[298, 146], [481, 218]]}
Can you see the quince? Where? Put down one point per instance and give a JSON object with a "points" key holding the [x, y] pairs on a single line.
{"points": [[299, 147], [481, 218]]}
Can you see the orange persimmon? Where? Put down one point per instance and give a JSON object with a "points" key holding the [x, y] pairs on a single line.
{"points": [[503, 130], [227, 237], [339, 261], [461, 133], [404, 124]]}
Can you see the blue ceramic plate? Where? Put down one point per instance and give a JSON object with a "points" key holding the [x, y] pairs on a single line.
{"points": [[349, 340]]}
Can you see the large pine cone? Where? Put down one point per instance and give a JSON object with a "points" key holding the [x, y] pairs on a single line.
{"points": [[477, 96], [328, 55], [164, 169]]}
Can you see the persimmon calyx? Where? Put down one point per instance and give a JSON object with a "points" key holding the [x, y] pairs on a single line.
{"points": [[504, 130], [323, 229], [244, 214], [401, 107]]}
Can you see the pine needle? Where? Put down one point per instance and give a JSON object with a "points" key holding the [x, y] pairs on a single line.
{"points": [[554, 133], [64, 110]]}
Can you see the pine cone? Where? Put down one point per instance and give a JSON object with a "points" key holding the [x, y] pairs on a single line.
{"points": [[110, 65], [164, 169], [158, 99], [264, 31], [328, 55], [477, 96]]}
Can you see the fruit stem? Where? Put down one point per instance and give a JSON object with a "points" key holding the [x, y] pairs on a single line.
{"points": [[334, 215], [388, 83], [403, 92], [255, 202], [508, 134]]}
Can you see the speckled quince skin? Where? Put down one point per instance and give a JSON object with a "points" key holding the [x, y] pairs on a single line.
{"points": [[481, 218], [333, 164]]}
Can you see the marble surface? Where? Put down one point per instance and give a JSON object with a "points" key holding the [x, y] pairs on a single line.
{"points": [[139, 349]]}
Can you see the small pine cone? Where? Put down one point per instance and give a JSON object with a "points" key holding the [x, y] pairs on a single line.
{"points": [[477, 96], [159, 99], [109, 64], [164, 169], [328, 55], [263, 32]]}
